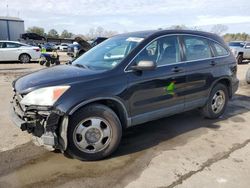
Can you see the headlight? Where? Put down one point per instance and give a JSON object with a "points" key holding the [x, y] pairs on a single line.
{"points": [[46, 96]]}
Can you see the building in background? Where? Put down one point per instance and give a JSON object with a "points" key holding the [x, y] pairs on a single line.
{"points": [[11, 28]]}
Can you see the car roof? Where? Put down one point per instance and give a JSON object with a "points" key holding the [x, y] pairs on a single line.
{"points": [[151, 33], [10, 41]]}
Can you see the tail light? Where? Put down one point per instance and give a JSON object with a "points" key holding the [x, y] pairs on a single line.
{"points": [[37, 49]]}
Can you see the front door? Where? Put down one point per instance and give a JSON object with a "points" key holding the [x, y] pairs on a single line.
{"points": [[157, 93]]}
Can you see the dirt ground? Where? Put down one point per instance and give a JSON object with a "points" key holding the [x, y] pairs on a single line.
{"points": [[184, 150]]}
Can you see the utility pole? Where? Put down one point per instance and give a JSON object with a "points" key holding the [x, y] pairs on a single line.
{"points": [[7, 10]]}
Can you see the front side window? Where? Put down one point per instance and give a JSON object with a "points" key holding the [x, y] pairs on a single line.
{"points": [[247, 46], [163, 51], [220, 51], [109, 53], [196, 48]]}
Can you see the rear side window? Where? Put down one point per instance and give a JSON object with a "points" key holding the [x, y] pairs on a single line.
{"points": [[219, 50], [12, 45], [196, 48]]}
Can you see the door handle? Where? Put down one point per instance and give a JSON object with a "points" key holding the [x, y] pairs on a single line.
{"points": [[213, 63], [177, 69]]}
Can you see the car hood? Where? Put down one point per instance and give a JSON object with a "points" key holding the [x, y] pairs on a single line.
{"points": [[57, 75], [235, 47]]}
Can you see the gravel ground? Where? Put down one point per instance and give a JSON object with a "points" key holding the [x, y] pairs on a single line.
{"points": [[184, 150]]}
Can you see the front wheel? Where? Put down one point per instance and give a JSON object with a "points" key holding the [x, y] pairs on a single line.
{"points": [[216, 103], [94, 133]]}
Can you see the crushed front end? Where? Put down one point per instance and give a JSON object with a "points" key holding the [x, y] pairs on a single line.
{"points": [[40, 121]]}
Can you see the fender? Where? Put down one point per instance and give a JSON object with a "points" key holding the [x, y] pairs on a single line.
{"points": [[64, 125]]}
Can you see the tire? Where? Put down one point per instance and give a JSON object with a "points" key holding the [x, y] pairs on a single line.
{"points": [[248, 76], [47, 63], [24, 58], [94, 133], [212, 109], [239, 58], [42, 62]]}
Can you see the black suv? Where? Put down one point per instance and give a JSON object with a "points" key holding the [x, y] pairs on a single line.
{"points": [[128, 79]]}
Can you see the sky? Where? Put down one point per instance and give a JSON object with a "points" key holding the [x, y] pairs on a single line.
{"points": [[78, 16]]}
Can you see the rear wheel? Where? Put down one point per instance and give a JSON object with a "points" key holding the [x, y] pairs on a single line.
{"points": [[216, 103], [94, 133], [24, 58]]}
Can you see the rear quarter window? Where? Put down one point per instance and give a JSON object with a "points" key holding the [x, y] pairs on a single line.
{"points": [[220, 50]]}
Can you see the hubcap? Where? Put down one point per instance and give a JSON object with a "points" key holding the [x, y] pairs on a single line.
{"points": [[24, 58], [92, 135], [218, 101]]}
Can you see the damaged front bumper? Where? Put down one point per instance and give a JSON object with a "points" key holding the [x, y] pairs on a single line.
{"points": [[47, 125]]}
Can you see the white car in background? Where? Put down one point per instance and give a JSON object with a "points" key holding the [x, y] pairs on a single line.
{"points": [[63, 47], [16, 51]]}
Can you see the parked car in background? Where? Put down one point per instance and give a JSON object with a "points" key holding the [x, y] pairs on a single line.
{"points": [[241, 50], [81, 46], [49, 47], [78, 48], [16, 51], [127, 80], [63, 47], [98, 40], [32, 36]]}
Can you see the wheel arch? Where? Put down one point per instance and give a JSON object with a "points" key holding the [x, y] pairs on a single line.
{"points": [[25, 53], [225, 81], [113, 103]]}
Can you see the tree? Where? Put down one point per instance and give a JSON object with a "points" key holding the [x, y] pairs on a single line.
{"points": [[53, 33], [66, 34], [178, 27], [219, 29], [236, 36], [99, 32], [37, 30]]}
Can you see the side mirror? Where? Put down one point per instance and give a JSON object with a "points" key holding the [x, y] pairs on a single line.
{"points": [[145, 65]]}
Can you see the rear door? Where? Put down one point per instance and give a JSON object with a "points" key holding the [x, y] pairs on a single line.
{"points": [[157, 93], [200, 65], [2, 56]]}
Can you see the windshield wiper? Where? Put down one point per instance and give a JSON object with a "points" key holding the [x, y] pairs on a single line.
{"points": [[82, 66]]}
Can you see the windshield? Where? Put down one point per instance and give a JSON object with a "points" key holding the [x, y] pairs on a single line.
{"points": [[108, 54], [236, 44]]}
